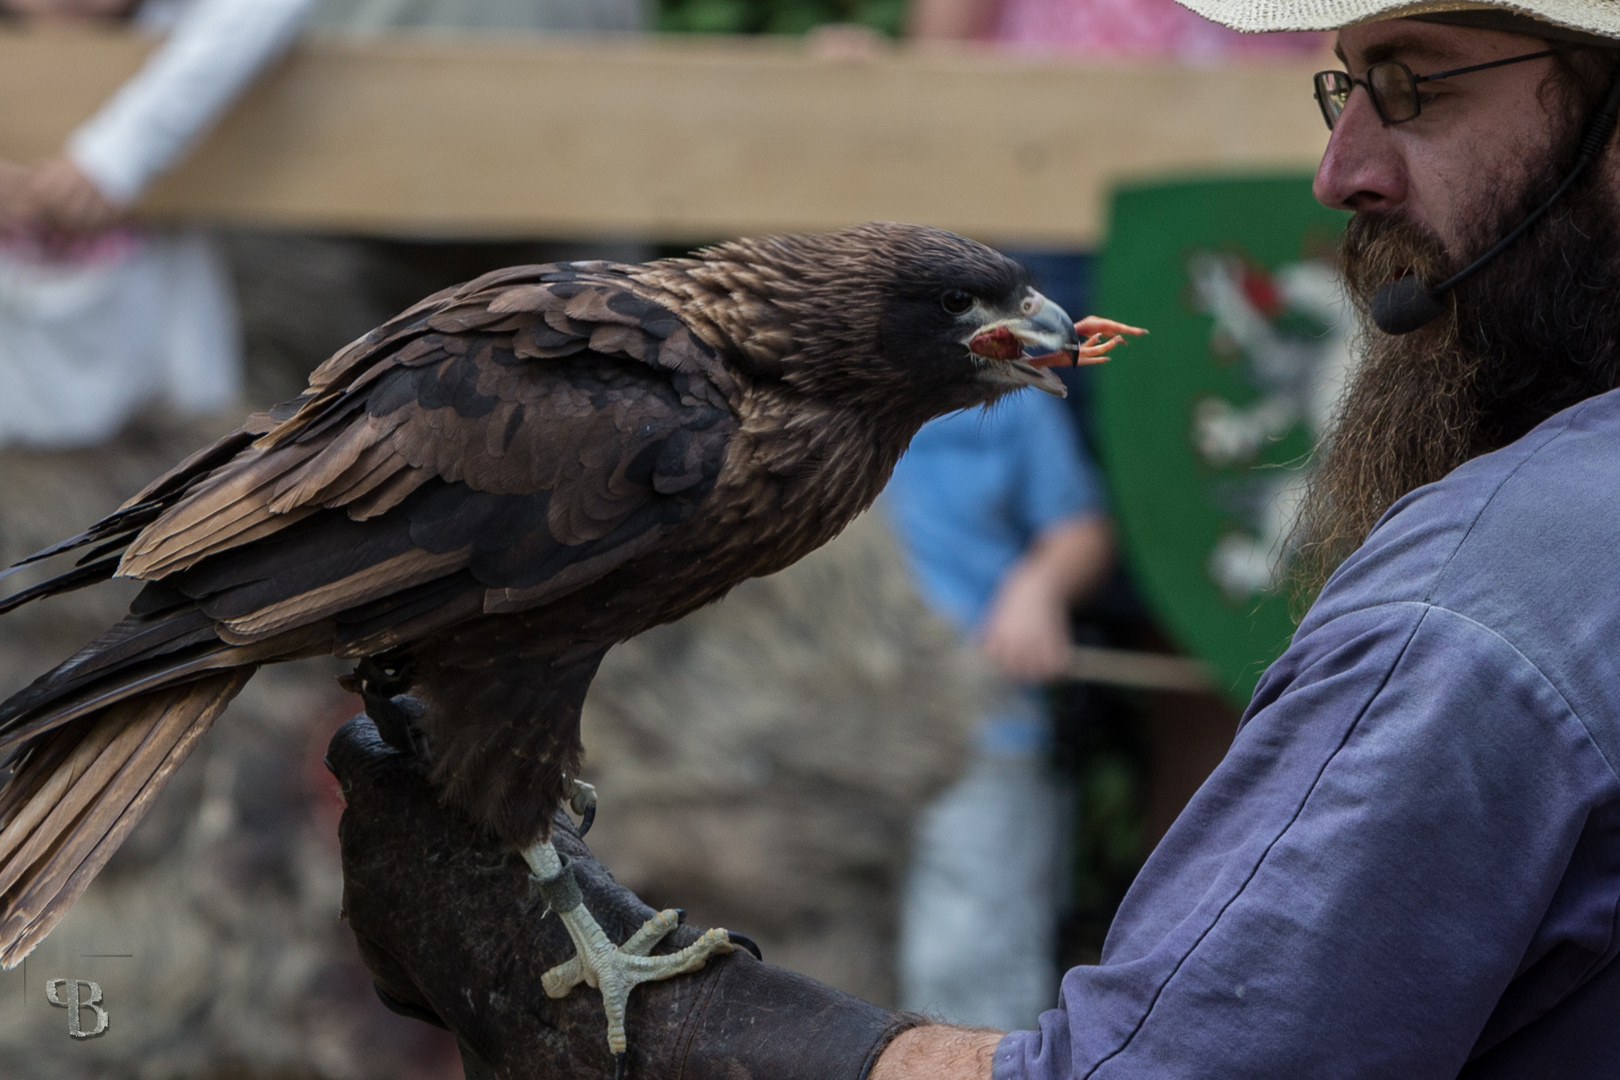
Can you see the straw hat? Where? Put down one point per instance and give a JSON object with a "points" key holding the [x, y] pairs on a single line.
{"points": [[1590, 22]]}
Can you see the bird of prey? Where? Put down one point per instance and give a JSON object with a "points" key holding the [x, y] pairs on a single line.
{"points": [[479, 498]]}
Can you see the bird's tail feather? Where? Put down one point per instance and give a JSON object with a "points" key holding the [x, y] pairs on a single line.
{"points": [[76, 794]]}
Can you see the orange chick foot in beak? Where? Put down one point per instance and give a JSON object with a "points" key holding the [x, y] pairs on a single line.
{"points": [[1098, 338]]}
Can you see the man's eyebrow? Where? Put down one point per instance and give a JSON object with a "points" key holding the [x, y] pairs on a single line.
{"points": [[1409, 47]]}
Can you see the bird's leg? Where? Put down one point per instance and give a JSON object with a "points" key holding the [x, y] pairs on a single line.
{"points": [[615, 970]]}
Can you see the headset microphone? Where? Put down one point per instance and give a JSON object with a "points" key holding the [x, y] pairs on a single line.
{"points": [[1405, 305]]}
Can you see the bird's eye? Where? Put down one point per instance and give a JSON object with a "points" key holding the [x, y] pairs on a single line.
{"points": [[956, 302]]}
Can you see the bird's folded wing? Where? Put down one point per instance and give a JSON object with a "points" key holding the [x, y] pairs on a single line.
{"points": [[519, 436]]}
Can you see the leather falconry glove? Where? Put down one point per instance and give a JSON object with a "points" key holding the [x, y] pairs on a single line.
{"points": [[456, 932]]}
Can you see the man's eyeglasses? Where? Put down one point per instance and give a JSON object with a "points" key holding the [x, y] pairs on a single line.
{"points": [[1393, 87]]}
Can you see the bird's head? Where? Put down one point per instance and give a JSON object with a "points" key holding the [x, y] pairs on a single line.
{"points": [[900, 316]]}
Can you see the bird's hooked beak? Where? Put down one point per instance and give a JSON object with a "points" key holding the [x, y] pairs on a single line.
{"points": [[1021, 350]]}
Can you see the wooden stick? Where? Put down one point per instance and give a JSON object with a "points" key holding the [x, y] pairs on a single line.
{"points": [[1139, 670]]}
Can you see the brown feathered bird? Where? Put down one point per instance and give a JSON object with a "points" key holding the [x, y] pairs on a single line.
{"points": [[479, 498]]}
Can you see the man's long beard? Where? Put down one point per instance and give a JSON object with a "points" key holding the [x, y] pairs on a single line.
{"points": [[1533, 333]]}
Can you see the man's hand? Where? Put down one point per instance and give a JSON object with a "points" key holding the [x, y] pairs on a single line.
{"points": [[1026, 634], [66, 11], [455, 932], [60, 197]]}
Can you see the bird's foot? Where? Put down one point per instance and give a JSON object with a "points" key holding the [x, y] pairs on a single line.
{"points": [[615, 970]]}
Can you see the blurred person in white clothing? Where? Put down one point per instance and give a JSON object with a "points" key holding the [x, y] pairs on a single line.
{"points": [[101, 317]]}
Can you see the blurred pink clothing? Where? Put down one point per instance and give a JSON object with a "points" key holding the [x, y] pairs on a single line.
{"points": [[1135, 28]]}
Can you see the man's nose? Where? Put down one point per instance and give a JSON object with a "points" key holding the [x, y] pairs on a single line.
{"points": [[1362, 168]]}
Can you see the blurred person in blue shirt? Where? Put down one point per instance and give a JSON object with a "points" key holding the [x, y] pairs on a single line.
{"points": [[1001, 516]]}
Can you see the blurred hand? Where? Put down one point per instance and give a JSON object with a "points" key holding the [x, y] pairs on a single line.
{"points": [[66, 10], [845, 42], [1026, 635], [61, 198], [950, 20]]}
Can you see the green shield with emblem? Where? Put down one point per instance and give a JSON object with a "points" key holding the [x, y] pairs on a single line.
{"points": [[1206, 425]]}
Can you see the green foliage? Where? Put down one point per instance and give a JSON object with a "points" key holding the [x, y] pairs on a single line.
{"points": [[777, 16], [1109, 837], [1103, 753]]}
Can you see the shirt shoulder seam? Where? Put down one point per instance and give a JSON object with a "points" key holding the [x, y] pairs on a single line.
{"points": [[1569, 706], [1426, 606], [1479, 512]]}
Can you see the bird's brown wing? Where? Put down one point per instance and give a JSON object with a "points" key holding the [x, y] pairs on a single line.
{"points": [[495, 447]]}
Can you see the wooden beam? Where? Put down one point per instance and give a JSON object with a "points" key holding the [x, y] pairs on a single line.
{"points": [[676, 138]]}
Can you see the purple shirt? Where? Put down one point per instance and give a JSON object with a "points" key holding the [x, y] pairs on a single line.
{"points": [[1408, 864]]}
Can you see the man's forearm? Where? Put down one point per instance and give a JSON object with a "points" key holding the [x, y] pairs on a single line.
{"points": [[938, 1052], [1071, 558]]}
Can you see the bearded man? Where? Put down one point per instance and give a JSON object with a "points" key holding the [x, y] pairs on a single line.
{"points": [[1409, 863]]}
